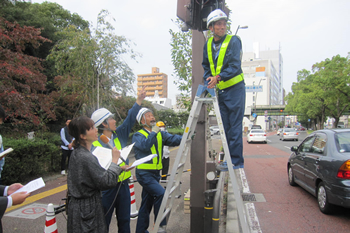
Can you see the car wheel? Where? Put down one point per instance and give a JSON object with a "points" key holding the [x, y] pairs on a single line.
{"points": [[291, 177], [297, 139], [322, 200]]}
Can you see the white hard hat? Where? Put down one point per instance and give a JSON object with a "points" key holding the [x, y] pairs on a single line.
{"points": [[215, 15], [141, 113], [100, 115]]}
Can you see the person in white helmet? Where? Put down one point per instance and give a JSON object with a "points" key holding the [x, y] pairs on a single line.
{"points": [[118, 136], [222, 55], [150, 140]]}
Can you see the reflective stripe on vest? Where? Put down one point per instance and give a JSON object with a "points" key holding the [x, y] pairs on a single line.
{"points": [[156, 161], [222, 84], [124, 175]]}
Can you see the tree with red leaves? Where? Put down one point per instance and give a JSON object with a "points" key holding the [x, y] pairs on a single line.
{"points": [[22, 83]]}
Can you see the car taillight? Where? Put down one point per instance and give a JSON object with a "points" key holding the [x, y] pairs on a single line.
{"points": [[344, 171], [265, 135], [284, 133], [251, 135], [297, 133]]}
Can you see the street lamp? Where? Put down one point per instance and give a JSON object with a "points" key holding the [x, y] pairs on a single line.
{"points": [[239, 27], [256, 95]]}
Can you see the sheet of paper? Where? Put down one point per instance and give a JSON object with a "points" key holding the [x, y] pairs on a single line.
{"points": [[5, 152], [125, 152], [32, 186], [141, 161], [104, 156]]}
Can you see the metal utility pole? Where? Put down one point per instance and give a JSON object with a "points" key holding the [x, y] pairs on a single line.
{"points": [[198, 148]]}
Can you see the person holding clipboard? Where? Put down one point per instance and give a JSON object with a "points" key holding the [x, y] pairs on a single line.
{"points": [[118, 197], [6, 199]]}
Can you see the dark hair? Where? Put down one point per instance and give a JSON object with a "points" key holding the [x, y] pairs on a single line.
{"points": [[79, 126], [2, 113]]}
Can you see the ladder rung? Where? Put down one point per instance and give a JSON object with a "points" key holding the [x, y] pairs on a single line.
{"points": [[180, 166], [173, 188], [166, 212], [205, 100]]}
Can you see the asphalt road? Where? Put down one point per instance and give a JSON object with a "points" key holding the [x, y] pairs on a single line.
{"points": [[287, 208]]}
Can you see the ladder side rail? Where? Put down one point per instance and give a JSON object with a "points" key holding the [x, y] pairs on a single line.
{"points": [[233, 178], [189, 131]]}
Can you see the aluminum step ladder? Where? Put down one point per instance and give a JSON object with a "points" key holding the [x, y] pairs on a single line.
{"points": [[184, 150]]}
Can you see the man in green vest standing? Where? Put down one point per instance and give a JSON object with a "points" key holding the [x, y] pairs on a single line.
{"points": [[150, 140], [117, 198], [222, 56]]}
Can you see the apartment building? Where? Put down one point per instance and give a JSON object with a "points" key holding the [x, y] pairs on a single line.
{"points": [[155, 81]]}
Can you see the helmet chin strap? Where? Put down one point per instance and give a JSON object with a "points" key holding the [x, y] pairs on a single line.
{"points": [[218, 35]]}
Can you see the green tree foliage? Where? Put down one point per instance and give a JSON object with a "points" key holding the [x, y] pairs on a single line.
{"points": [[91, 67], [22, 83], [323, 92], [172, 119]]}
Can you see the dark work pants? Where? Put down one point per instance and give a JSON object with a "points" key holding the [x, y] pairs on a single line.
{"points": [[232, 104], [121, 205], [152, 196], [165, 170], [65, 154]]}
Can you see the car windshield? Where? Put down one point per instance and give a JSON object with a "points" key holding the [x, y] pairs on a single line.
{"points": [[343, 141], [289, 130], [257, 131]]}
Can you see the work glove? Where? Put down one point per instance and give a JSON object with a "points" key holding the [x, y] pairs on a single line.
{"points": [[155, 129]]}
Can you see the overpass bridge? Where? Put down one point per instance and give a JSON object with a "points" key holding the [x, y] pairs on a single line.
{"points": [[269, 110]]}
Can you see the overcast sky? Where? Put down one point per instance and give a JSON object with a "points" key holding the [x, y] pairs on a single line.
{"points": [[306, 31]]}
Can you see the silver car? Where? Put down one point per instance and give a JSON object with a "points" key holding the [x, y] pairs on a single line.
{"points": [[289, 134], [321, 165]]}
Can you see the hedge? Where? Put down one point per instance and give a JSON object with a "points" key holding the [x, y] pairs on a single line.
{"points": [[31, 158]]}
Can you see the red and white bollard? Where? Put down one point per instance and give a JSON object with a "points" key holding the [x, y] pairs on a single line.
{"points": [[133, 210], [50, 223]]}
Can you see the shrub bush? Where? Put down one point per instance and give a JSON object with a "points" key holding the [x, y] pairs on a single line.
{"points": [[30, 158]]}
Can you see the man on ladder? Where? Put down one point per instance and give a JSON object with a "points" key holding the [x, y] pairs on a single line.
{"points": [[222, 67]]}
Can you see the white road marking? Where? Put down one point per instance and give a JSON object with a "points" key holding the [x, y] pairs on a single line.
{"points": [[250, 208]]}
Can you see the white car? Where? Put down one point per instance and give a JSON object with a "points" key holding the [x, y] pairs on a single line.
{"points": [[279, 131], [256, 135], [214, 130]]}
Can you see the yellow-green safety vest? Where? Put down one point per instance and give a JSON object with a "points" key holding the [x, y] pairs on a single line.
{"points": [[222, 84], [125, 174], [156, 161]]}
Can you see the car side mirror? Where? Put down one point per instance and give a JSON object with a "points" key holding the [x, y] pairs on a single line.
{"points": [[294, 148]]}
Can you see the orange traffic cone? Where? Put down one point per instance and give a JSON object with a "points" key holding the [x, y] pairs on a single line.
{"points": [[50, 224], [133, 210]]}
